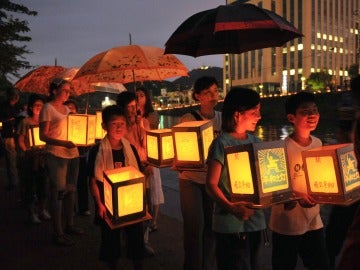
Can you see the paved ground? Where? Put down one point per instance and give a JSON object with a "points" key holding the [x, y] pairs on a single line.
{"points": [[24, 246]]}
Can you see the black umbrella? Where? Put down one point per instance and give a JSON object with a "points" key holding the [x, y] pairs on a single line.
{"points": [[233, 28]]}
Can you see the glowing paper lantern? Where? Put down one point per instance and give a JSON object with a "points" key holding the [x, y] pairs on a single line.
{"points": [[99, 131], [259, 173], [124, 194], [34, 136], [160, 147], [331, 174], [192, 140], [81, 129]]}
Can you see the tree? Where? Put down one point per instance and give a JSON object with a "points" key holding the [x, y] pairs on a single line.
{"points": [[353, 70], [12, 37], [319, 80]]}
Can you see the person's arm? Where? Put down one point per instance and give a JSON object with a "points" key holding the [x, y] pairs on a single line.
{"points": [[44, 136], [212, 187], [96, 194]]}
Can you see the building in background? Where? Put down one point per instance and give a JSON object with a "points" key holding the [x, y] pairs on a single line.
{"points": [[330, 44]]}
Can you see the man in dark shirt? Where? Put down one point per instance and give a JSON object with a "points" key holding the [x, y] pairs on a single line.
{"points": [[8, 114]]}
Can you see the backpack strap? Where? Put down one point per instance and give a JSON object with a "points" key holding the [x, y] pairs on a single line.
{"points": [[197, 115]]}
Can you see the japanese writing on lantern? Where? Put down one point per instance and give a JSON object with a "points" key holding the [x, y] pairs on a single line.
{"points": [[241, 184], [324, 184]]}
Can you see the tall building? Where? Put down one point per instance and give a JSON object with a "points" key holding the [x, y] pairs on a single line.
{"points": [[330, 43]]}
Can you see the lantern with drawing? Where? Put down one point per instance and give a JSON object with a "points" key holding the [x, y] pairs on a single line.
{"points": [[191, 143], [259, 173], [81, 129], [124, 195], [331, 174], [34, 137], [160, 148]]}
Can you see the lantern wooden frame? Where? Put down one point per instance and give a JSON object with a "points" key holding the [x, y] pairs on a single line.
{"points": [[99, 131], [124, 195], [81, 129], [34, 137], [338, 180], [264, 172], [191, 144], [160, 147]]}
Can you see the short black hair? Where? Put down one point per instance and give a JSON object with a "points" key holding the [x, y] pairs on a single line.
{"points": [[237, 100], [124, 98], [31, 101], [110, 111], [203, 83], [295, 101]]}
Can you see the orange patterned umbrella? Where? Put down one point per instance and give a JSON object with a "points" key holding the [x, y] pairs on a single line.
{"points": [[132, 63], [38, 80]]}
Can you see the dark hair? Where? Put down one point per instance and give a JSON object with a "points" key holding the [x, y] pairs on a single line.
{"points": [[56, 84], [295, 101], [31, 101], [124, 98], [110, 111], [71, 101], [12, 93], [148, 104], [203, 83], [237, 100]]}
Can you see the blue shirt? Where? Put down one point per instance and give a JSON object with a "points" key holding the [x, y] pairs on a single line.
{"points": [[223, 221]]}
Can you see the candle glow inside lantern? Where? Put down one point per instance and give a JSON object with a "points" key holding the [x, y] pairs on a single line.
{"points": [[160, 147], [124, 194], [34, 136], [259, 173], [331, 174], [81, 129], [191, 142], [99, 131]]}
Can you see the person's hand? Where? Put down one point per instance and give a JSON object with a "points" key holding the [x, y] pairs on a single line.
{"points": [[241, 211], [69, 144], [306, 200], [101, 211], [148, 170]]}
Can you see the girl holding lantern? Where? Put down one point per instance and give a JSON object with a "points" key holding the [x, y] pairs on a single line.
{"points": [[238, 228], [62, 161]]}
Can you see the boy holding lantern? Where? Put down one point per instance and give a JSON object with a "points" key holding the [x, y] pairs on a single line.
{"points": [[114, 151], [297, 226]]}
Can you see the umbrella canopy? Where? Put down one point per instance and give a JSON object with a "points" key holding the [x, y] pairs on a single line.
{"points": [[38, 80], [233, 28], [83, 86], [132, 63]]}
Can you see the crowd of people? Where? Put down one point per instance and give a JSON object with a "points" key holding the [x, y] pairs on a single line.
{"points": [[217, 232]]}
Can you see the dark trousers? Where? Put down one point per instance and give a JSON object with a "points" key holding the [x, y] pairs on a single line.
{"points": [[83, 186]]}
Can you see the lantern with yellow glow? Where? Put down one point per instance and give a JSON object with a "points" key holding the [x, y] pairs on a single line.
{"points": [[331, 174], [81, 129], [160, 147], [99, 131], [124, 194], [258, 173], [191, 143], [34, 137]]}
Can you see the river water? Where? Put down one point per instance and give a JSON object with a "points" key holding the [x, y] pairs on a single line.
{"points": [[326, 130]]}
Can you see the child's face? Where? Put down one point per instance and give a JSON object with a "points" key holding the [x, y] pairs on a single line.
{"points": [[37, 106], [209, 97], [141, 98], [306, 117], [248, 119], [116, 127]]}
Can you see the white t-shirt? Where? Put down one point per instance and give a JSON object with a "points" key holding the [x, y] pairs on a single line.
{"points": [[57, 130], [299, 220]]}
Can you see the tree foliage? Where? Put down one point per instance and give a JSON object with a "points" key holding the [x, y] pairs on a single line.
{"points": [[319, 80], [12, 38], [353, 70]]}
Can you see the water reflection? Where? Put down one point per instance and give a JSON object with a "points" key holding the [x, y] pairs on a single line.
{"points": [[325, 131]]}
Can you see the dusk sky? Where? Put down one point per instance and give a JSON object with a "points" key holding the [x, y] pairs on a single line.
{"points": [[74, 31]]}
